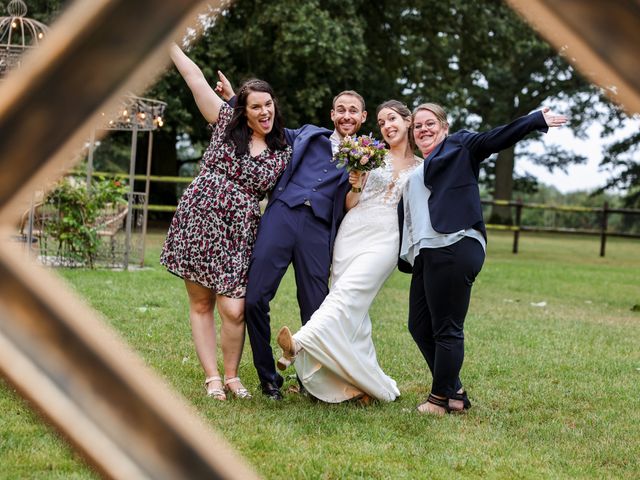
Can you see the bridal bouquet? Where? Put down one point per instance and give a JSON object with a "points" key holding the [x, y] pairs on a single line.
{"points": [[361, 153]]}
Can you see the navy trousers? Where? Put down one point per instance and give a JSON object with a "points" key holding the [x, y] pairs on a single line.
{"points": [[285, 236], [438, 303]]}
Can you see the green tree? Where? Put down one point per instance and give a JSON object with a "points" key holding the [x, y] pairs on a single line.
{"points": [[622, 159], [308, 51], [498, 69], [45, 11], [478, 59]]}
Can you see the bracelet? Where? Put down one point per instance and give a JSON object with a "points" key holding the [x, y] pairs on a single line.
{"points": [[356, 189]]}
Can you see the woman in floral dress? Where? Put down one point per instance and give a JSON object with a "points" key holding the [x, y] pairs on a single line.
{"points": [[212, 233]]}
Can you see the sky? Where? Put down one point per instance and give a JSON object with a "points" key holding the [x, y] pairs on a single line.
{"points": [[578, 177]]}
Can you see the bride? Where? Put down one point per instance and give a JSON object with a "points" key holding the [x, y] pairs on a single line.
{"points": [[334, 354]]}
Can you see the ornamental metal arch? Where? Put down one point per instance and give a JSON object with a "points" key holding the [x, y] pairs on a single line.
{"points": [[133, 114], [18, 35]]}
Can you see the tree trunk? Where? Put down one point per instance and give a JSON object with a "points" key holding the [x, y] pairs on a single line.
{"points": [[503, 187]]}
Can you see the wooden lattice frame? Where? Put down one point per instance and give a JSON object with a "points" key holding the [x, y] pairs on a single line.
{"points": [[53, 348]]}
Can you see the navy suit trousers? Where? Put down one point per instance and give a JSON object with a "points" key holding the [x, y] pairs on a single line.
{"points": [[285, 236]]}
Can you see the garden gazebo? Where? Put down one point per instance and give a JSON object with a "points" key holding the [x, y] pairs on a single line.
{"points": [[18, 34], [134, 114]]}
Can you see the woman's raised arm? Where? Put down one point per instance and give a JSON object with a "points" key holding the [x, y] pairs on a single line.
{"points": [[208, 102]]}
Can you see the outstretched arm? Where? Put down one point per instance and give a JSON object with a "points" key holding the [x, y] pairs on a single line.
{"points": [[208, 102], [486, 143]]}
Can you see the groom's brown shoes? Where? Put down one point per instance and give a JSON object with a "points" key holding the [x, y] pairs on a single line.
{"points": [[288, 345]]}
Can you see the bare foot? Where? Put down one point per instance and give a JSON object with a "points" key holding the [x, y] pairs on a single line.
{"points": [[460, 404], [456, 405], [434, 405], [432, 409]]}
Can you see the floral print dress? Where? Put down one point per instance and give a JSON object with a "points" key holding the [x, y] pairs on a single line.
{"points": [[213, 231]]}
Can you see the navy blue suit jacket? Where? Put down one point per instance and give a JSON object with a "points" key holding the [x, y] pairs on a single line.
{"points": [[451, 173], [311, 144]]}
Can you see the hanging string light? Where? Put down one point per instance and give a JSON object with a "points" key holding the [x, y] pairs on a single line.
{"points": [[143, 113]]}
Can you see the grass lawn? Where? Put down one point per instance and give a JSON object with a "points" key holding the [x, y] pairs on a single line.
{"points": [[552, 368]]}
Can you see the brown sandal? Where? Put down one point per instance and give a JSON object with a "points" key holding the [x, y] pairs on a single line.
{"points": [[288, 346]]}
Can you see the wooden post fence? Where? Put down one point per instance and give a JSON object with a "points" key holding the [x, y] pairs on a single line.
{"points": [[603, 228], [602, 231], [516, 232]]}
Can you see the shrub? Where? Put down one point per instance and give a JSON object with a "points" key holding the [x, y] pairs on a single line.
{"points": [[75, 212]]}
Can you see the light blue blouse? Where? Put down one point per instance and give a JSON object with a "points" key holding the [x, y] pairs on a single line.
{"points": [[417, 231]]}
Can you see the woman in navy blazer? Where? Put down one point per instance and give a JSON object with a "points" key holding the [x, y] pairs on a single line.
{"points": [[444, 239]]}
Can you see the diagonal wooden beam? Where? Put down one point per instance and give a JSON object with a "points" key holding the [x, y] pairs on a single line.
{"points": [[87, 382], [53, 348], [600, 39], [96, 51]]}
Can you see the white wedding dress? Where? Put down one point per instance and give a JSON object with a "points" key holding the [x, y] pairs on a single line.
{"points": [[338, 360]]}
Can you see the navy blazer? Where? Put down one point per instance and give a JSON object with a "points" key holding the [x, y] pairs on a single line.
{"points": [[311, 144], [451, 173]]}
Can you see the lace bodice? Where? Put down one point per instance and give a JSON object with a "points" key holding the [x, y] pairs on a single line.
{"points": [[382, 188], [381, 194]]}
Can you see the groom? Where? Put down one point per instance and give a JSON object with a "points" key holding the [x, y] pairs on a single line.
{"points": [[298, 227]]}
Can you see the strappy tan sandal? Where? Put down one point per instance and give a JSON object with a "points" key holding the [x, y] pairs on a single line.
{"points": [[240, 392], [288, 346], [217, 393], [363, 400]]}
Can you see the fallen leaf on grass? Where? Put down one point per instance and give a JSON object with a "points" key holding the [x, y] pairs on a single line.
{"points": [[539, 304]]}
